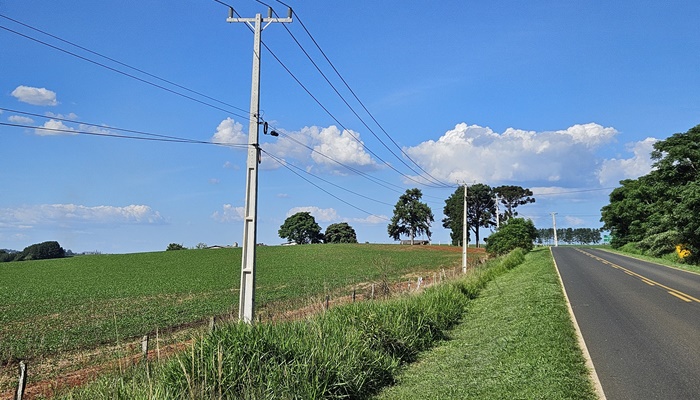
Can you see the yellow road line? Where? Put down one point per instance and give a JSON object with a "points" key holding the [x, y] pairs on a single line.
{"points": [[677, 293]]}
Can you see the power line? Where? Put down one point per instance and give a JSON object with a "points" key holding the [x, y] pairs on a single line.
{"points": [[356, 98], [324, 190], [132, 76], [147, 136]]}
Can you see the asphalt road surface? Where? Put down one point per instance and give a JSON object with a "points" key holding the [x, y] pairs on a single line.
{"points": [[640, 322]]}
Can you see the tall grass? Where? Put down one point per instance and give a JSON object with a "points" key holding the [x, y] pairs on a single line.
{"points": [[348, 352]]}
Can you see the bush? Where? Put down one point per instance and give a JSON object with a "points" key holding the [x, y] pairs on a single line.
{"points": [[175, 246], [515, 233]]}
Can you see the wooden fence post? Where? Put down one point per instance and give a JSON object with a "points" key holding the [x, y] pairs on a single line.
{"points": [[372, 297], [22, 380], [328, 298], [353, 294]]}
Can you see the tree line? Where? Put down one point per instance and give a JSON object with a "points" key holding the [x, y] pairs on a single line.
{"points": [[38, 251], [569, 236], [658, 213]]}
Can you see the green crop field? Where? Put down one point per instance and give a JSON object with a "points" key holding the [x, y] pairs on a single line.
{"points": [[51, 306]]}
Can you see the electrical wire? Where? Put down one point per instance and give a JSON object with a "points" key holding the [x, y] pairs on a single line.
{"points": [[282, 163], [356, 98], [327, 111], [132, 76], [146, 136]]}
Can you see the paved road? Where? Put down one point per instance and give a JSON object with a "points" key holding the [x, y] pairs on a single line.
{"points": [[640, 322]]}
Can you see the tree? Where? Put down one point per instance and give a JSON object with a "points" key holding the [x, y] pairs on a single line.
{"points": [[481, 209], [516, 232], [511, 197], [340, 233], [301, 228], [41, 251], [411, 216], [658, 211], [175, 246]]}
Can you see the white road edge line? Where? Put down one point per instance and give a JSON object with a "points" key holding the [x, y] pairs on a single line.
{"points": [[582, 343]]}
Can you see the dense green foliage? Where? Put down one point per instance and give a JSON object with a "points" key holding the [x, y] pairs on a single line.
{"points": [[340, 233], [348, 352], [63, 304], [411, 216], [512, 196], [175, 246], [517, 342], [301, 228], [481, 208], [38, 251], [659, 210], [569, 235], [515, 233]]}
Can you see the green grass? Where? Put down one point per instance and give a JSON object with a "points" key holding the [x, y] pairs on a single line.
{"points": [[349, 352], [51, 306], [515, 342]]}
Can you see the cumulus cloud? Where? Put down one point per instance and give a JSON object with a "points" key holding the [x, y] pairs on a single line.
{"points": [[71, 116], [230, 132], [475, 153], [62, 214], [331, 148], [53, 128], [373, 219], [614, 170], [35, 96], [17, 119], [229, 213], [319, 214]]}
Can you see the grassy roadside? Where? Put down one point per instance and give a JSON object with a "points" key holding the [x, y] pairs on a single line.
{"points": [[516, 342], [349, 351]]}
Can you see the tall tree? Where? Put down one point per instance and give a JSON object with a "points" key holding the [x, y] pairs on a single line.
{"points": [[340, 233], [512, 196], [411, 216], [301, 228], [481, 209]]}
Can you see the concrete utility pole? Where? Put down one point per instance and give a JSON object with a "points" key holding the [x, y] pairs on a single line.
{"points": [[554, 224], [247, 293], [498, 216], [464, 233]]}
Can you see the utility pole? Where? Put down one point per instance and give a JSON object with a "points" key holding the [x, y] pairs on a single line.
{"points": [[247, 292], [554, 224], [498, 216], [464, 233]]}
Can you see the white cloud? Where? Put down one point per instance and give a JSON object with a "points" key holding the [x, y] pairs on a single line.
{"points": [[62, 214], [475, 153], [573, 221], [71, 116], [331, 147], [319, 214], [35, 96], [17, 119], [373, 219], [54, 127], [229, 214], [230, 132], [614, 170]]}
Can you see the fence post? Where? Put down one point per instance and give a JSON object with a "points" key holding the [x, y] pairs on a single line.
{"points": [[144, 348], [328, 298], [212, 324], [372, 297], [22, 380], [353, 294]]}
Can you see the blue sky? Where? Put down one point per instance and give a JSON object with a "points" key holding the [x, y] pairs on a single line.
{"points": [[565, 98]]}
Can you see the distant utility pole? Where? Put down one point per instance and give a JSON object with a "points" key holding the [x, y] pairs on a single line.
{"points": [[554, 224], [464, 233], [247, 293], [498, 217]]}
